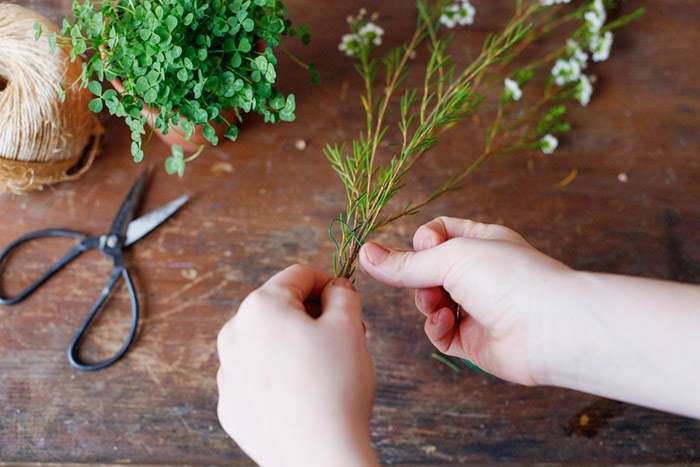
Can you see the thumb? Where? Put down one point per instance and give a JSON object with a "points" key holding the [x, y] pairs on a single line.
{"points": [[412, 269]]}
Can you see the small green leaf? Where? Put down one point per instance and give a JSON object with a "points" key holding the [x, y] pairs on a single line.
{"points": [[178, 151], [200, 116], [37, 30], [52, 43], [175, 164], [188, 128], [290, 105], [61, 94], [182, 75], [213, 112], [277, 103], [95, 88], [150, 96], [98, 68], [244, 45], [153, 76], [110, 95], [96, 105], [261, 62], [247, 25], [171, 22], [142, 85], [232, 133], [210, 135]]}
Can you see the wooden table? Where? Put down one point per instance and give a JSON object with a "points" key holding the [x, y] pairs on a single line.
{"points": [[260, 204]]}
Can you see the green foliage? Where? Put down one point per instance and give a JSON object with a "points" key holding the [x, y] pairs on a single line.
{"points": [[188, 60], [446, 96]]}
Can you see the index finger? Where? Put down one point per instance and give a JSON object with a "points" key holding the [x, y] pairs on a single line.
{"points": [[443, 228], [300, 282]]}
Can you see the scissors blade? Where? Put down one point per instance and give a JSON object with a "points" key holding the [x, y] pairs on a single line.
{"points": [[127, 211], [139, 228]]}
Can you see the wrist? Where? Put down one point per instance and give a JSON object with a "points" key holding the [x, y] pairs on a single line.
{"points": [[565, 329], [352, 449]]}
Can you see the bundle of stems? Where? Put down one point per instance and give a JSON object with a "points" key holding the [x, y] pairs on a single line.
{"points": [[445, 97]]}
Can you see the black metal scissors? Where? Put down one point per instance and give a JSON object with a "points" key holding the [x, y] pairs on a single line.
{"points": [[125, 231]]}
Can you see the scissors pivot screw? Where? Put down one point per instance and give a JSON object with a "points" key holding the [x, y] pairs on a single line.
{"points": [[112, 241]]}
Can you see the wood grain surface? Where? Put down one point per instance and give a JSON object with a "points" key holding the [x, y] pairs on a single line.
{"points": [[260, 204]]}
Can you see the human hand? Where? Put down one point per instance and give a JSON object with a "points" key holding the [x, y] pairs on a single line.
{"points": [[294, 390], [515, 297]]}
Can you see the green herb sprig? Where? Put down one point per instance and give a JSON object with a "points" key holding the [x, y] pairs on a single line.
{"points": [[447, 95]]}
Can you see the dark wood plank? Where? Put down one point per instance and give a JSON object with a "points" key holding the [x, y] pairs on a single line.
{"points": [[260, 204]]}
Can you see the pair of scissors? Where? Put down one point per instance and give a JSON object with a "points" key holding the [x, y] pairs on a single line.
{"points": [[124, 232]]}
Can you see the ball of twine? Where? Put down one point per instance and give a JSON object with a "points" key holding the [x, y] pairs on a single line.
{"points": [[43, 139]]}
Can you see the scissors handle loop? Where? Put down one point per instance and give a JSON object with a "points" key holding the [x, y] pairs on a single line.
{"points": [[72, 254], [119, 272]]}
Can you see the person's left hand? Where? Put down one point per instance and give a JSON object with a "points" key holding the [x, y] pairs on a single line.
{"points": [[294, 390]]}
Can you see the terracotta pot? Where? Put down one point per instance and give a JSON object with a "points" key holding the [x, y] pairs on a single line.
{"points": [[176, 133]]}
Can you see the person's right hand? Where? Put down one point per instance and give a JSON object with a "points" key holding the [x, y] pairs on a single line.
{"points": [[515, 297]]}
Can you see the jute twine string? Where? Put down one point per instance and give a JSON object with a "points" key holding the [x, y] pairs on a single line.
{"points": [[42, 140]]}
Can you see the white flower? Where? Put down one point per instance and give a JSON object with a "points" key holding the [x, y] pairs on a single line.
{"points": [[548, 144], [575, 52], [584, 90], [566, 71], [596, 16], [512, 90], [349, 44], [370, 32], [553, 2], [459, 13], [600, 46]]}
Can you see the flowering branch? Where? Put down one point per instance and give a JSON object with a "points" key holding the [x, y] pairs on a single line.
{"points": [[448, 95]]}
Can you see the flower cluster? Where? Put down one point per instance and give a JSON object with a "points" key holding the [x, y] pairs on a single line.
{"points": [[459, 13], [553, 2], [595, 17], [584, 90], [512, 90], [566, 71], [569, 70], [600, 46], [549, 143], [364, 34], [599, 42]]}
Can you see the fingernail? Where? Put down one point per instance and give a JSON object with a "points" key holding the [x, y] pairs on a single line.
{"points": [[344, 283], [376, 254]]}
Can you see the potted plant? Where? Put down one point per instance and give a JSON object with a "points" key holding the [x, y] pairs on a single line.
{"points": [[189, 69]]}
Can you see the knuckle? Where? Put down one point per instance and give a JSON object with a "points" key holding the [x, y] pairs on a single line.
{"points": [[498, 231], [401, 263], [220, 378], [222, 340], [258, 298], [475, 229], [298, 268]]}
